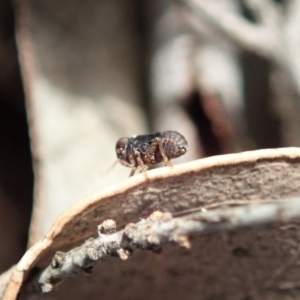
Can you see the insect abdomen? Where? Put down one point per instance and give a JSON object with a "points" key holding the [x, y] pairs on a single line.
{"points": [[171, 141]]}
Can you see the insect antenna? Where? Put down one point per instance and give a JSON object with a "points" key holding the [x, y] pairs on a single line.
{"points": [[109, 169]]}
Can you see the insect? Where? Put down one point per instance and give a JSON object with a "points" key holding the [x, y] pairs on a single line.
{"points": [[149, 149]]}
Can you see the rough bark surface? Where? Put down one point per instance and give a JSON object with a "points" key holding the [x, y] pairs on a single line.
{"points": [[262, 262]]}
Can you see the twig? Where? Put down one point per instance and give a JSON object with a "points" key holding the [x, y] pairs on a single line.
{"points": [[273, 37], [155, 231], [291, 42], [256, 38], [267, 12]]}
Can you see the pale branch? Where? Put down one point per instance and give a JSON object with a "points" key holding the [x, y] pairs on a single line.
{"points": [[158, 229], [267, 12], [273, 37], [254, 37], [291, 42]]}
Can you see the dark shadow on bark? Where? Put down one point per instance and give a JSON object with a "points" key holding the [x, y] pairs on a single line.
{"points": [[263, 124], [203, 124], [16, 175]]}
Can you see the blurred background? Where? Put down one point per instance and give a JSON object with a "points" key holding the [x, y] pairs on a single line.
{"points": [[78, 75]]}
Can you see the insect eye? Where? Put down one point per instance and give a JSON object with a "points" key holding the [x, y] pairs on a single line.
{"points": [[144, 148], [120, 146], [121, 143]]}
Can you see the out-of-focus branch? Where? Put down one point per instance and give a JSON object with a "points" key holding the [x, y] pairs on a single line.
{"points": [[291, 41], [274, 37], [256, 38], [158, 229], [267, 12]]}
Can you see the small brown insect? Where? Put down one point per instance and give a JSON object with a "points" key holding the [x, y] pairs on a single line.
{"points": [[149, 149]]}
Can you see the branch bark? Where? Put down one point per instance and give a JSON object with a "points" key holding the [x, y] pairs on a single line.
{"points": [[157, 230], [218, 184]]}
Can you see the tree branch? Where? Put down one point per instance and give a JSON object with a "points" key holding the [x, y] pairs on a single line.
{"points": [[267, 12], [158, 229], [291, 42], [256, 38]]}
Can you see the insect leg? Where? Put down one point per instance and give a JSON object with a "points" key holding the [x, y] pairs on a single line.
{"points": [[140, 161], [158, 142], [132, 171], [132, 165]]}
